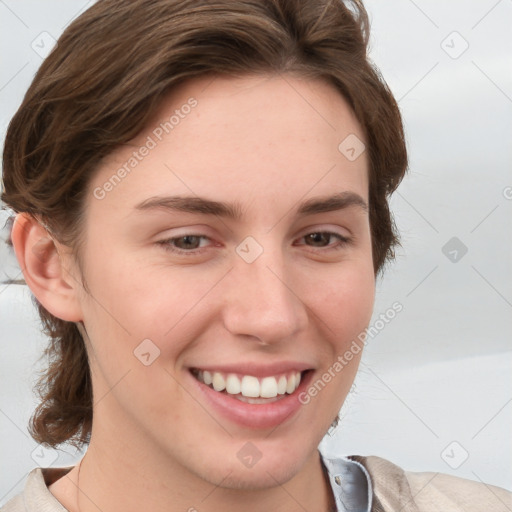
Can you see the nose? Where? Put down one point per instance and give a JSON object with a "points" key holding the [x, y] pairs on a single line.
{"points": [[261, 302]]}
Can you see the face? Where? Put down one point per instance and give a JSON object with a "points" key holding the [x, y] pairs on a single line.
{"points": [[233, 251]]}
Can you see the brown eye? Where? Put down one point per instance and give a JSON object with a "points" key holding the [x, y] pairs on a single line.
{"points": [[322, 239], [187, 244], [318, 239]]}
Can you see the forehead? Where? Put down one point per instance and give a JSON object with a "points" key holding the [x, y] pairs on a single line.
{"points": [[245, 138]]}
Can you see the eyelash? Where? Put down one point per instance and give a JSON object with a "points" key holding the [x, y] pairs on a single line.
{"points": [[167, 243]]}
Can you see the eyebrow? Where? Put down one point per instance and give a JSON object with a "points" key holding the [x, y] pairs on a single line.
{"points": [[234, 211]]}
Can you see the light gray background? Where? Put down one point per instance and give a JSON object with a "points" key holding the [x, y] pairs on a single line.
{"points": [[434, 385]]}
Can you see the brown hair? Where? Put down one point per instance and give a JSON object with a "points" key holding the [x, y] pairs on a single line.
{"points": [[106, 77]]}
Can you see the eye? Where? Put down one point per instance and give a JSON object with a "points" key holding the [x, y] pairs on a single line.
{"points": [[191, 244], [322, 239], [186, 244]]}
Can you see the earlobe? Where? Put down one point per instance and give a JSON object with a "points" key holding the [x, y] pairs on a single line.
{"points": [[44, 268]]}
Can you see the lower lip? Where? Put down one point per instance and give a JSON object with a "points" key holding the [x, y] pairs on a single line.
{"points": [[256, 416]]}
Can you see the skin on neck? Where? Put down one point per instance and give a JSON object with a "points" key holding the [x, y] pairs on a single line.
{"points": [[178, 491]]}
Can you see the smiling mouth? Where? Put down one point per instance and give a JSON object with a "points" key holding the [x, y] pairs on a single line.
{"points": [[248, 388]]}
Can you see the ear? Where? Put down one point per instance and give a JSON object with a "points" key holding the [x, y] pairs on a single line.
{"points": [[47, 268]]}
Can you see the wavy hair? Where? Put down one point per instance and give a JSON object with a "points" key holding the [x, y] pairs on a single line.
{"points": [[107, 76]]}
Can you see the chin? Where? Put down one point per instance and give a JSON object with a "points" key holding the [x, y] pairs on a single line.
{"points": [[257, 464], [259, 477]]}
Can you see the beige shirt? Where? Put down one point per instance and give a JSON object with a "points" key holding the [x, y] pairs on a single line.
{"points": [[391, 490], [396, 490]]}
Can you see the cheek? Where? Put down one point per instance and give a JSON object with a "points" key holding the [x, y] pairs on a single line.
{"points": [[356, 300], [349, 306], [131, 301], [343, 300]]}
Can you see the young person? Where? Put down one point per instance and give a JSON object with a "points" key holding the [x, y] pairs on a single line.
{"points": [[201, 190]]}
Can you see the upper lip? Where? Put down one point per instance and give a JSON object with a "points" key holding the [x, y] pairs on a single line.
{"points": [[256, 370]]}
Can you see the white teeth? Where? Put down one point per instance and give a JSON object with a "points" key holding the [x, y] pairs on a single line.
{"points": [[268, 387], [207, 378], [290, 387], [281, 385], [233, 386], [250, 386], [219, 384]]}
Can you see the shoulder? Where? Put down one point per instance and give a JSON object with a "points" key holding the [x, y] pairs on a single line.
{"points": [[431, 489], [36, 496], [14, 505], [396, 489]]}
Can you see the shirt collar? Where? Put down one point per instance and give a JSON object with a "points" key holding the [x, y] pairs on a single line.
{"points": [[351, 484]]}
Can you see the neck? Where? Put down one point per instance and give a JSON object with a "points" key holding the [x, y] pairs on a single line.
{"points": [[117, 474]]}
